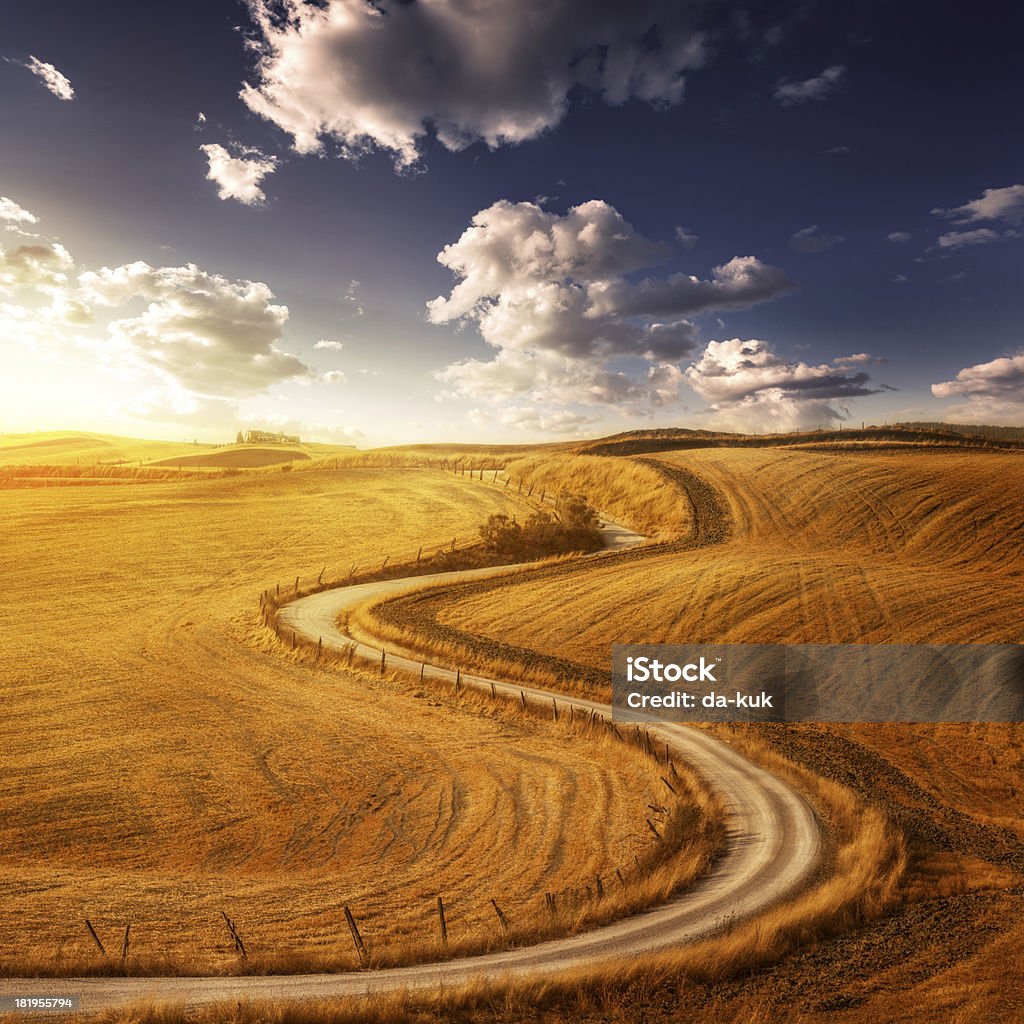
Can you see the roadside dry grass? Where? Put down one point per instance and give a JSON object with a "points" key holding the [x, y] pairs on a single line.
{"points": [[627, 491], [162, 762]]}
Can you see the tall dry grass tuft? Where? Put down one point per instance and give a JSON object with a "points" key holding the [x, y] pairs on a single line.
{"points": [[631, 492]]}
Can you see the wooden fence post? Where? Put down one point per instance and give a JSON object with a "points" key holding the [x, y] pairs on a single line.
{"points": [[357, 939], [95, 937], [502, 919], [235, 937], [124, 944], [441, 921], [554, 709], [382, 657]]}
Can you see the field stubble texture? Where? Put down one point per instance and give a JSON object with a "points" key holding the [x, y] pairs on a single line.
{"points": [[163, 760]]}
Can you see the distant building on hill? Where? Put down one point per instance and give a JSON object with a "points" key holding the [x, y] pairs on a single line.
{"points": [[265, 437]]}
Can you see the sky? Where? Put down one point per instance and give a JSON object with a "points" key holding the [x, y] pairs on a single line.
{"points": [[476, 220]]}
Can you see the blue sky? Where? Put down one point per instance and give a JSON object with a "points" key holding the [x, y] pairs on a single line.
{"points": [[220, 215]]}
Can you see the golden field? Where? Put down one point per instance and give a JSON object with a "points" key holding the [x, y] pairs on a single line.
{"points": [[163, 759], [205, 768], [839, 546]]}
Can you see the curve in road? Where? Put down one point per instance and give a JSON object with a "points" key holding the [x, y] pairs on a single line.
{"points": [[773, 847]]}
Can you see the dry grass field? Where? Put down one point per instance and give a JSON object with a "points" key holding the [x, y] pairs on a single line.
{"points": [[836, 546], [195, 766], [821, 548], [163, 760], [71, 447]]}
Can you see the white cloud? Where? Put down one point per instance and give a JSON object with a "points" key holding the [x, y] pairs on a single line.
{"points": [[529, 419], [334, 376], [549, 292], [174, 405], [809, 239], [686, 238], [42, 266], [207, 334], [57, 83], [383, 75], [817, 88], [13, 214], [858, 359], [837, 151], [353, 305], [899, 236], [1005, 204], [959, 239], [238, 177], [900, 279], [749, 387], [543, 377], [994, 391], [331, 346]]}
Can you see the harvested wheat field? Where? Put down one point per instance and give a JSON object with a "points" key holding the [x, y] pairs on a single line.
{"points": [[72, 447], [818, 549], [794, 546], [165, 759]]}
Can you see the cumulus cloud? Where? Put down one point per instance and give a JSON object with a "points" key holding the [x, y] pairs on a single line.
{"points": [[207, 334], [383, 75], [959, 239], [238, 177], [817, 88], [42, 266], [686, 238], [550, 292], [749, 387], [57, 83], [535, 421], [331, 346], [858, 359], [810, 239], [899, 236], [1005, 204], [13, 214], [994, 390], [334, 377]]}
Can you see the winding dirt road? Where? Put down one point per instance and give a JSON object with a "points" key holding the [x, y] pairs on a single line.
{"points": [[773, 846]]}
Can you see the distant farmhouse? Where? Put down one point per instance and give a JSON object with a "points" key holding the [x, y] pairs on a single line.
{"points": [[264, 437]]}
